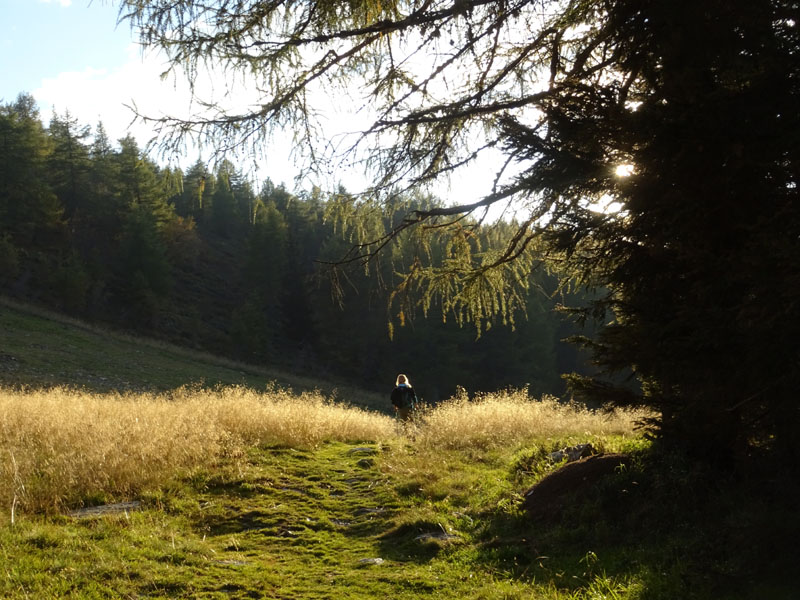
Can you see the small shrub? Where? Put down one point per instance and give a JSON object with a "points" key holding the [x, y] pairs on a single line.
{"points": [[9, 259]]}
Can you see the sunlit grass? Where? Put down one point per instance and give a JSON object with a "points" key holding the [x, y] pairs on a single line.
{"points": [[231, 479], [510, 417], [464, 449], [63, 448]]}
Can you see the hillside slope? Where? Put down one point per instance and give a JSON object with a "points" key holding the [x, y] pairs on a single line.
{"points": [[39, 348]]}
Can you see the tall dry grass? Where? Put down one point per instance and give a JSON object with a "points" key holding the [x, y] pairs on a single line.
{"points": [[62, 446], [491, 430], [510, 417]]}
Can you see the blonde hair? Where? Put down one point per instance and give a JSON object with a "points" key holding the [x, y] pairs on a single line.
{"points": [[404, 380]]}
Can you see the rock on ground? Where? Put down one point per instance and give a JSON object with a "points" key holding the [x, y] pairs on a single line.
{"points": [[547, 498]]}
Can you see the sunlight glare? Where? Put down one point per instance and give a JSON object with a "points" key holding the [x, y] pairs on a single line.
{"points": [[624, 170]]}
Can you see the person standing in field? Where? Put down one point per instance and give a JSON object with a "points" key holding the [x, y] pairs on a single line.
{"points": [[404, 399]]}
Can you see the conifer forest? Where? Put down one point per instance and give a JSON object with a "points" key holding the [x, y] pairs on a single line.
{"points": [[208, 259]]}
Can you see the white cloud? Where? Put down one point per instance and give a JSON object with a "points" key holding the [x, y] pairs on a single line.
{"points": [[109, 95], [93, 95], [61, 2]]}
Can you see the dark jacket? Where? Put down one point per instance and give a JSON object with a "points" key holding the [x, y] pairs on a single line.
{"points": [[404, 396]]}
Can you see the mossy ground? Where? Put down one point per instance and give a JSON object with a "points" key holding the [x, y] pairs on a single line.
{"points": [[347, 520], [285, 523]]}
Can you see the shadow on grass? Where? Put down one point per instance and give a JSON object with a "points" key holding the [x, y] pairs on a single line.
{"points": [[410, 542], [240, 522], [43, 349], [679, 529]]}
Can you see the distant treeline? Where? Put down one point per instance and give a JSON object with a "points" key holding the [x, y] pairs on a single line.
{"points": [[202, 258]]}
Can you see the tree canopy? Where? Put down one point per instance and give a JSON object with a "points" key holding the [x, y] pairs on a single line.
{"points": [[101, 231], [680, 116]]}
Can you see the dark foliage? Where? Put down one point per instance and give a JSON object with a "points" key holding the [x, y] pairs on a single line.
{"points": [[199, 258], [698, 263]]}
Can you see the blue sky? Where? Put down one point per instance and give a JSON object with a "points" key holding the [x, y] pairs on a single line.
{"points": [[43, 39], [71, 55]]}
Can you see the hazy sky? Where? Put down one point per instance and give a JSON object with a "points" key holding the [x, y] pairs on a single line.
{"points": [[72, 56], [65, 52]]}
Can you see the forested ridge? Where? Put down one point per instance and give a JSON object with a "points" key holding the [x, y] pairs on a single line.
{"points": [[202, 257]]}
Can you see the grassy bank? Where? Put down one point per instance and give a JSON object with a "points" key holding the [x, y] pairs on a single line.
{"points": [[251, 490], [269, 495], [65, 447], [39, 348], [272, 495]]}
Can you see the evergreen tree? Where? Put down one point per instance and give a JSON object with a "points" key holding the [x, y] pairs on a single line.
{"points": [[302, 217], [245, 199], [71, 283], [104, 181], [9, 259], [191, 200], [142, 277], [142, 184], [68, 164], [100, 225], [225, 215], [258, 322], [30, 212], [694, 101]]}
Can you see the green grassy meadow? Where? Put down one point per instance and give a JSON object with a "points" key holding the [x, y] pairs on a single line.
{"points": [[42, 348], [258, 491]]}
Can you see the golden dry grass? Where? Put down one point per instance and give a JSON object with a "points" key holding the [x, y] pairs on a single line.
{"points": [[62, 446], [510, 417], [491, 429]]}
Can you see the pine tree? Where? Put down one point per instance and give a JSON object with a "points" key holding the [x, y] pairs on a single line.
{"points": [[679, 114], [68, 164], [258, 322], [225, 216], [30, 212], [142, 183], [142, 276]]}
